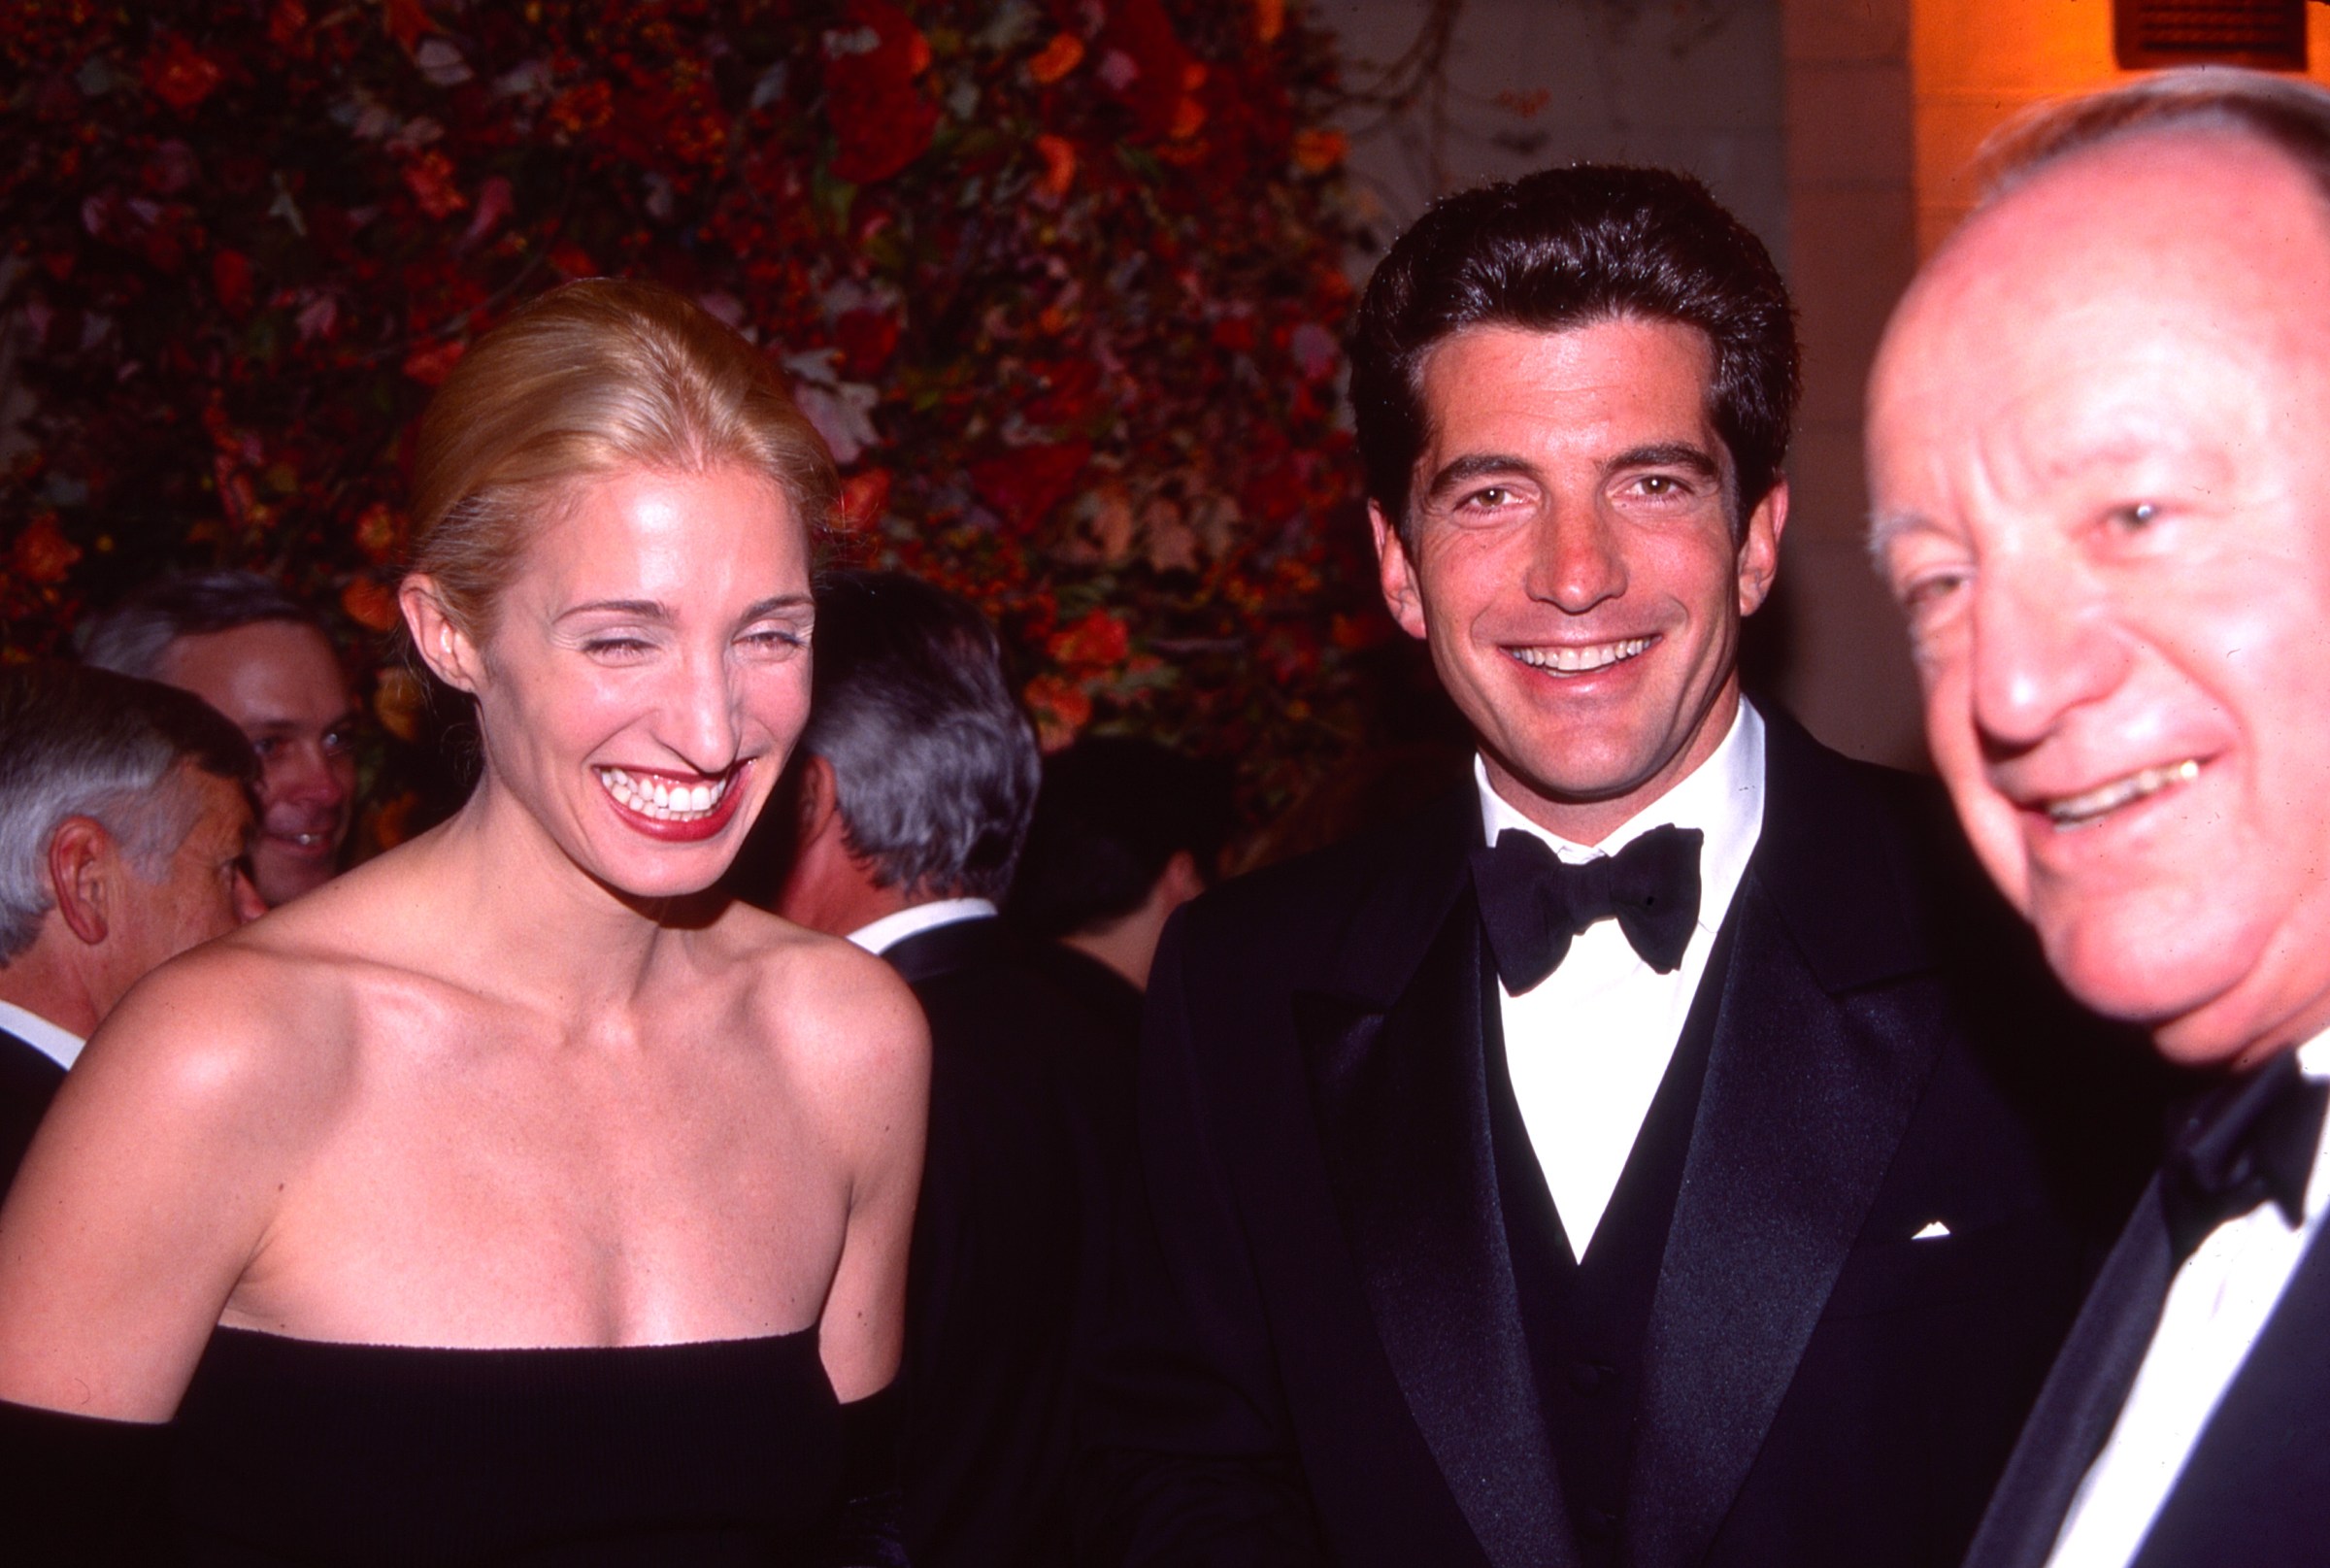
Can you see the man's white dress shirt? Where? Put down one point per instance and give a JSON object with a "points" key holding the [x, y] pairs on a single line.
{"points": [[52, 1042], [1588, 1046], [2217, 1303], [881, 935]]}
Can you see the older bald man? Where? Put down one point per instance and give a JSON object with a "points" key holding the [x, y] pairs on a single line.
{"points": [[2100, 459]]}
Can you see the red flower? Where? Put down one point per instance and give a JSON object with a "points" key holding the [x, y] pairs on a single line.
{"points": [[1025, 482], [370, 604], [431, 365], [1061, 709], [867, 339], [579, 111], [399, 700], [1144, 61], [286, 22], [231, 275], [572, 260], [430, 179], [43, 554], [1059, 165], [1070, 386], [1099, 640], [406, 21], [377, 532], [1063, 55], [182, 76], [881, 121], [1315, 151], [863, 498]]}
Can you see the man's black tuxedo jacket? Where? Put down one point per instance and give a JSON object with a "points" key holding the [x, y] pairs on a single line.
{"points": [[1028, 1092], [1321, 1352], [28, 1081], [2256, 1486]]}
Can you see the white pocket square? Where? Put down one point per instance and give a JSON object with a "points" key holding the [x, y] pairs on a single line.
{"points": [[1932, 1231]]}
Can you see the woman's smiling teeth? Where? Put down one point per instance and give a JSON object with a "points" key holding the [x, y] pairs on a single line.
{"points": [[1567, 660], [664, 799], [2078, 811]]}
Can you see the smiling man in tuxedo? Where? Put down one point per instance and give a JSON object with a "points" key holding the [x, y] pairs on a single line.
{"points": [[2102, 492], [1642, 1157]]}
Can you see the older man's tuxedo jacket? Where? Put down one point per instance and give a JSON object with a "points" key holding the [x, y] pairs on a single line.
{"points": [[1028, 1088], [2256, 1486], [1331, 1343]]}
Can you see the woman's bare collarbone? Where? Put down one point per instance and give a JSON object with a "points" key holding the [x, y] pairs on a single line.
{"points": [[494, 1169]]}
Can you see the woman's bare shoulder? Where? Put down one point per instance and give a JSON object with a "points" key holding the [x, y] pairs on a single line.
{"points": [[240, 1018], [837, 1011]]}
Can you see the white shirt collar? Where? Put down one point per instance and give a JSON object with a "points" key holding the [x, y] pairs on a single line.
{"points": [[55, 1043], [1723, 797], [891, 929]]}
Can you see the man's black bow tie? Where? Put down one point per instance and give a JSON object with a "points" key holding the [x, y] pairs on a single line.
{"points": [[2249, 1140], [1533, 902]]}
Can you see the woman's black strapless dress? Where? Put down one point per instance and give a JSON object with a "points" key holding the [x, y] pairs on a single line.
{"points": [[697, 1456]]}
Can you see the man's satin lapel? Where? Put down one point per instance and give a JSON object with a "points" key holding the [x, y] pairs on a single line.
{"points": [[1402, 1108], [1825, 1038], [2080, 1399], [2256, 1487]]}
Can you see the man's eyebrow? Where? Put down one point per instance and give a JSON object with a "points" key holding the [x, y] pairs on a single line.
{"points": [[292, 723], [1886, 526], [1478, 465], [1668, 455]]}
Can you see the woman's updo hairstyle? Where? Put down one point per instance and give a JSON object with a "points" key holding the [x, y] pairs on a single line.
{"points": [[592, 379]]}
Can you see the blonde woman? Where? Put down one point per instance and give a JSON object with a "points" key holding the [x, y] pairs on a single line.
{"points": [[514, 1198]]}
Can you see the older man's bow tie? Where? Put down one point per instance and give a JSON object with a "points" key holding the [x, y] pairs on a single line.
{"points": [[2250, 1141], [1533, 902]]}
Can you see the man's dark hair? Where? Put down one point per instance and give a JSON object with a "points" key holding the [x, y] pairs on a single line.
{"points": [[934, 764], [132, 636], [1569, 248], [1114, 810], [78, 741]]}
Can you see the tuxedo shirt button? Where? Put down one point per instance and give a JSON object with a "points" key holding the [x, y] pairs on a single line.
{"points": [[1589, 1377], [1598, 1522]]}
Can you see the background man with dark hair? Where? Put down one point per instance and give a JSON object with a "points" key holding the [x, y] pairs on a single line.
{"points": [[916, 778], [1125, 832], [2102, 492], [124, 810], [1636, 1158], [245, 645]]}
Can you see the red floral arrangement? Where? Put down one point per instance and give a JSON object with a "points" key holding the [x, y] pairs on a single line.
{"points": [[1061, 281]]}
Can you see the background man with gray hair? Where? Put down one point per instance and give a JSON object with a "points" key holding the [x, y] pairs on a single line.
{"points": [[244, 645], [2100, 459], [916, 777], [124, 810]]}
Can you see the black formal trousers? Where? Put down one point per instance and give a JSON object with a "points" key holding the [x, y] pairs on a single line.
{"points": [[1321, 1350], [2255, 1489], [1028, 1090], [28, 1081]]}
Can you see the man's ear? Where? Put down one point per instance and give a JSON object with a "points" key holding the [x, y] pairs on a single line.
{"points": [[85, 867], [1396, 574], [818, 802], [442, 643], [1181, 881], [1759, 547]]}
